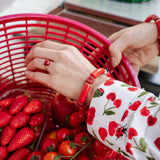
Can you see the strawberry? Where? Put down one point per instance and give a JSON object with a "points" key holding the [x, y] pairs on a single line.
{"points": [[19, 103], [5, 118], [20, 154], [5, 103], [37, 119], [7, 134], [20, 120], [34, 106], [2, 109], [21, 139], [3, 152]]}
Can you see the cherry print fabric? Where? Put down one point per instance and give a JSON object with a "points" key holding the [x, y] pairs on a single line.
{"points": [[126, 119]]}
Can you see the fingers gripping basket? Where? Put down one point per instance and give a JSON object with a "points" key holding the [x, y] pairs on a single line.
{"points": [[18, 33]]}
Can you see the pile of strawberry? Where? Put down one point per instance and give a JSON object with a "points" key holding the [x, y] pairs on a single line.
{"points": [[21, 120]]}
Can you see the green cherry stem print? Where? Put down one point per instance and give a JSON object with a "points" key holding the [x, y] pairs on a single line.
{"points": [[142, 146], [123, 153], [109, 111]]}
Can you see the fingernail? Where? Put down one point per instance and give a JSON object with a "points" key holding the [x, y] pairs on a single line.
{"points": [[114, 61]]}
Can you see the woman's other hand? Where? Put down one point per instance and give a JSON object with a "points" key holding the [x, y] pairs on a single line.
{"points": [[138, 43]]}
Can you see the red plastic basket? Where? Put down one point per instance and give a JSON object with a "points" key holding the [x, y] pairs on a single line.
{"points": [[18, 33], [17, 37]]}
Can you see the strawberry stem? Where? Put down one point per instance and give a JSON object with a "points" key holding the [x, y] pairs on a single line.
{"points": [[81, 149]]}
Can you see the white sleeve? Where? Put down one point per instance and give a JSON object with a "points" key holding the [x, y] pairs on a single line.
{"points": [[126, 119]]}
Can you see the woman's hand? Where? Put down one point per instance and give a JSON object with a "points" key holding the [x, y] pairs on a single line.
{"points": [[67, 72], [138, 43]]}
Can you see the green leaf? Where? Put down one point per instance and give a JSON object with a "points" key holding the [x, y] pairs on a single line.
{"points": [[73, 145], [84, 138], [109, 112], [68, 137], [143, 144], [154, 103], [125, 85], [50, 149], [142, 94], [150, 158], [96, 93], [58, 157], [34, 157], [67, 119]]}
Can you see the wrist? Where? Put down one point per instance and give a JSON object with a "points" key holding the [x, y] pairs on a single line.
{"points": [[90, 82], [156, 19], [98, 81]]}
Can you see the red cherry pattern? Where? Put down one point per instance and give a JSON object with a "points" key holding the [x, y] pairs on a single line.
{"points": [[157, 143], [103, 133], [151, 99], [151, 120], [117, 103], [91, 115], [135, 105], [132, 89], [131, 133], [124, 115], [113, 102], [144, 111], [111, 96], [112, 127], [128, 148], [109, 82]]}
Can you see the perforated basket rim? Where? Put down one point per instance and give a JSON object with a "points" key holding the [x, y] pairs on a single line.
{"points": [[79, 25]]}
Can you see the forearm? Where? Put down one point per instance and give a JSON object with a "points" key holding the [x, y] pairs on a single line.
{"points": [[130, 110]]}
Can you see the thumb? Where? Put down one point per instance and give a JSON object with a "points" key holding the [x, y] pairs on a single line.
{"points": [[116, 48]]}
